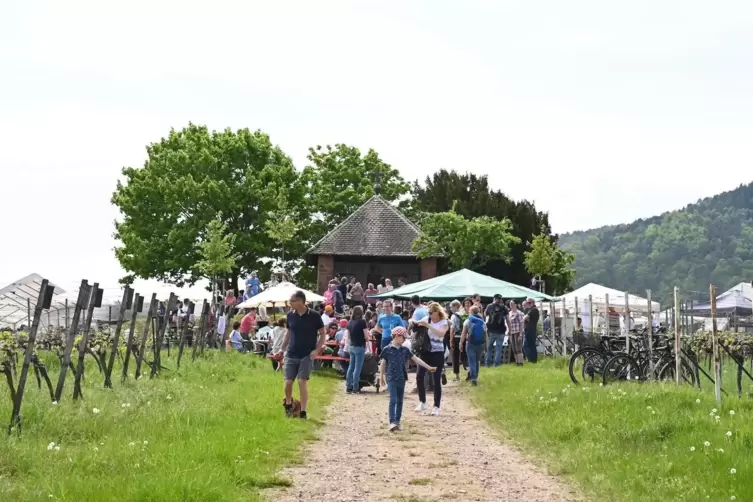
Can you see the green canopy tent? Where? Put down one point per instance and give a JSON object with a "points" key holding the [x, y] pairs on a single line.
{"points": [[462, 284]]}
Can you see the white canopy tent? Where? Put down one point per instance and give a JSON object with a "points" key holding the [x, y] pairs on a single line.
{"points": [[278, 296], [19, 299], [598, 295]]}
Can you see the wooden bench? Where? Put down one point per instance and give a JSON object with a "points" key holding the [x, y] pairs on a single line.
{"points": [[329, 358]]}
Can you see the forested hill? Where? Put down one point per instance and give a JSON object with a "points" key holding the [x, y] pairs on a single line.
{"points": [[709, 241]]}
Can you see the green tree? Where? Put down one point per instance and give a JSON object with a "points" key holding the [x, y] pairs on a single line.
{"points": [[216, 252], [464, 243], [284, 227], [553, 265], [194, 176], [471, 196], [340, 179]]}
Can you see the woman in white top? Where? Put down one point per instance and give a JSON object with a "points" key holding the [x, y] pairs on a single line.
{"points": [[437, 325]]}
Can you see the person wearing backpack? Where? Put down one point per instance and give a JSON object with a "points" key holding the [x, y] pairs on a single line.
{"points": [[497, 324], [475, 333]]}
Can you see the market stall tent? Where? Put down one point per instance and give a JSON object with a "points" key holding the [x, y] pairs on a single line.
{"points": [[737, 300], [599, 294], [461, 284]]}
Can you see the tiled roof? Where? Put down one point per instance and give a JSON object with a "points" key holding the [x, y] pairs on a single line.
{"points": [[374, 229]]}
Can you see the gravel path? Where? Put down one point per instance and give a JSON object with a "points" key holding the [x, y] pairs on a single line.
{"points": [[451, 457]]}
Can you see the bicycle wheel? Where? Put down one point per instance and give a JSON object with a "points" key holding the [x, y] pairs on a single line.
{"points": [[578, 362], [687, 374], [621, 368]]}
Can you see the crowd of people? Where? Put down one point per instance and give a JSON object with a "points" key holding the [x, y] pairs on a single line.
{"points": [[401, 333]]}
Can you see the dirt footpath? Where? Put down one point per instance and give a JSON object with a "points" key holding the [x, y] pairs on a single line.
{"points": [[454, 456]]}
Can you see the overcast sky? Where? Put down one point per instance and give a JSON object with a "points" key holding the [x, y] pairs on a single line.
{"points": [[600, 112]]}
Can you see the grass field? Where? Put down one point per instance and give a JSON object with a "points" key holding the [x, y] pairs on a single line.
{"points": [[626, 443], [212, 431]]}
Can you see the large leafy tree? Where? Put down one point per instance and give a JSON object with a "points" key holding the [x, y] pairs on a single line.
{"points": [[464, 243], [216, 251], [190, 178], [472, 197], [340, 179]]}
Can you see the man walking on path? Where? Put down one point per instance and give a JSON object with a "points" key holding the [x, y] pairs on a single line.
{"points": [[475, 333], [531, 322], [303, 340], [516, 327], [497, 324]]}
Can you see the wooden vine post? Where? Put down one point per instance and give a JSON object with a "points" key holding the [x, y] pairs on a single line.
{"points": [[715, 347], [138, 305], [125, 303], [43, 302], [95, 300], [157, 363], [81, 301], [147, 324], [202, 327], [184, 332]]}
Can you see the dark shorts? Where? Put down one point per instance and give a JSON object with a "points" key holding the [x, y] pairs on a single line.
{"points": [[299, 368]]}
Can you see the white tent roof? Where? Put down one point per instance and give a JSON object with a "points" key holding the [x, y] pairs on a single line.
{"points": [[18, 296], [616, 298], [278, 296]]}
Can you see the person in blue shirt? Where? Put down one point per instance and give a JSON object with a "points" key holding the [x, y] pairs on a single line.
{"points": [[392, 373], [386, 323], [236, 340], [419, 311], [254, 283]]}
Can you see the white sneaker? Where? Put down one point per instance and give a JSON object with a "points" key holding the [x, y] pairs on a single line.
{"points": [[435, 412], [393, 427], [420, 407]]}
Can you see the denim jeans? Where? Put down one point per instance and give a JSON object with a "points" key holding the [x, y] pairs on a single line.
{"points": [[357, 355], [529, 345], [495, 340], [475, 352], [397, 393]]}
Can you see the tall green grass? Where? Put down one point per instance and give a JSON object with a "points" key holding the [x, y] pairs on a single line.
{"points": [[212, 431], [628, 442]]}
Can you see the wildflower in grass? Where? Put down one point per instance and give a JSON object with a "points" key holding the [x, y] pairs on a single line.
{"points": [[131, 444], [729, 434], [554, 399], [95, 411], [541, 398], [653, 412], [169, 397], [648, 408], [692, 448], [713, 411], [57, 448], [706, 444], [697, 401], [146, 443], [718, 418], [96, 449], [50, 446], [731, 412], [720, 450], [733, 497], [733, 471]]}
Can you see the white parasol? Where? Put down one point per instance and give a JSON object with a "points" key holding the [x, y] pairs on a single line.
{"points": [[278, 296]]}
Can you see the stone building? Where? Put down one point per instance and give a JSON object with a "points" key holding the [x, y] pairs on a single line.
{"points": [[372, 243]]}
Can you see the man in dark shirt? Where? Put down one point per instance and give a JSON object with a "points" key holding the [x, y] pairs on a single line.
{"points": [[303, 340], [531, 321]]}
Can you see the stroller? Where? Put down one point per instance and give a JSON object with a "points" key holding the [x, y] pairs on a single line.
{"points": [[369, 372]]}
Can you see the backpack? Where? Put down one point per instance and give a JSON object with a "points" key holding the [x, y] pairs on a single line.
{"points": [[420, 344], [497, 316], [476, 330]]}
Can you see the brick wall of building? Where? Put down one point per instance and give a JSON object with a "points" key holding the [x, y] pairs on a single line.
{"points": [[428, 268], [325, 272]]}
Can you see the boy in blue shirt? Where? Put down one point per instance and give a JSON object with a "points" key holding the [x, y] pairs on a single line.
{"points": [[392, 370]]}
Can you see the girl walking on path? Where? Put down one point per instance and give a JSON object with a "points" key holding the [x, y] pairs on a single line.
{"points": [[437, 325], [392, 371], [516, 335]]}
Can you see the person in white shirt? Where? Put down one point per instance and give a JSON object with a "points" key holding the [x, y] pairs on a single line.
{"points": [[328, 315]]}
